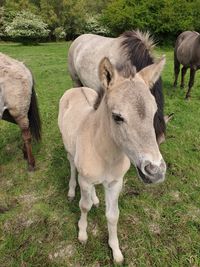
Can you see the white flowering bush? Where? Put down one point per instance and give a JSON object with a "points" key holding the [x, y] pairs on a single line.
{"points": [[93, 25], [27, 27], [59, 33]]}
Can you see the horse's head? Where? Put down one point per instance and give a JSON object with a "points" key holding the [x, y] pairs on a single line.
{"points": [[131, 109]]}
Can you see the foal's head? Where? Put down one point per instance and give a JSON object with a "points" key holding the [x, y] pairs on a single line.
{"points": [[131, 109]]}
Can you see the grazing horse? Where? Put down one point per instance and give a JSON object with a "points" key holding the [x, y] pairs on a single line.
{"points": [[103, 133], [187, 53], [87, 50], [18, 103]]}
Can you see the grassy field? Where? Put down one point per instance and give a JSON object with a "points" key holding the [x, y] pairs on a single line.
{"points": [[158, 226]]}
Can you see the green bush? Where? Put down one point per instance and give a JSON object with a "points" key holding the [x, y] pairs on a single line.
{"points": [[27, 27], [165, 19]]}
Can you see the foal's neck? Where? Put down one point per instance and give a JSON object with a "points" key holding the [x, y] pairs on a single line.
{"points": [[103, 140]]}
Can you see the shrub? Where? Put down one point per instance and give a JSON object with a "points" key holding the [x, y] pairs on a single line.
{"points": [[94, 25], [27, 27], [59, 33]]}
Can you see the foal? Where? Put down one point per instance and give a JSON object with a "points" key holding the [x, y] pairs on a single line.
{"points": [[102, 141]]}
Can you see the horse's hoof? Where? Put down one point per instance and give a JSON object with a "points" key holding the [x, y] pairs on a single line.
{"points": [[31, 168], [188, 97]]}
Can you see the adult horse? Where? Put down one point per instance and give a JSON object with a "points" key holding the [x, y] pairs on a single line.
{"points": [[103, 134], [187, 53], [87, 50], [18, 103]]}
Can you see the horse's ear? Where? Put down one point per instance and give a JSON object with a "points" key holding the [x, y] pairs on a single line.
{"points": [[152, 73], [106, 72]]}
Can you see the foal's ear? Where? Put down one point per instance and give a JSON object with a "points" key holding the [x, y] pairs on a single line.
{"points": [[152, 73], [106, 72]]}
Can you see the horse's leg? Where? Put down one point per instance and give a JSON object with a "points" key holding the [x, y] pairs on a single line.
{"points": [[176, 69], [95, 199], [72, 181], [85, 205], [112, 191], [183, 72], [26, 136], [191, 82]]}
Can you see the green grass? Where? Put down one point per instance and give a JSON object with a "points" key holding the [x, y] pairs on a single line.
{"points": [[158, 226]]}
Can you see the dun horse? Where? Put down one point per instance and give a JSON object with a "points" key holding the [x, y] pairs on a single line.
{"points": [[87, 51], [187, 53], [18, 103], [103, 133]]}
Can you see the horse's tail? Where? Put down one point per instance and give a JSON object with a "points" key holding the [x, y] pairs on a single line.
{"points": [[176, 62], [34, 116]]}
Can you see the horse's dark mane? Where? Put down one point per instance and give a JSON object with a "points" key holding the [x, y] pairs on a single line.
{"points": [[100, 95], [136, 47]]}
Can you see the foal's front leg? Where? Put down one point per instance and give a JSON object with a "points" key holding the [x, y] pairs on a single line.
{"points": [[112, 191], [85, 205]]}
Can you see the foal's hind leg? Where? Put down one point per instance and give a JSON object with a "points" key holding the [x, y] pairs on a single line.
{"points": [[191, 82], [176, 69], [72, 181], [183, 72], [95, 199]]}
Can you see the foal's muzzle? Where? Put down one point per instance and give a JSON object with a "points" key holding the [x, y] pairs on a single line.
{"points": [[152, 173]]}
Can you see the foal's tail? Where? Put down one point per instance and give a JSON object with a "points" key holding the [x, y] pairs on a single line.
{"points": [[34, 117]]}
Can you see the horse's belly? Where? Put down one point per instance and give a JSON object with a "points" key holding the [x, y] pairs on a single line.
{"points": [[184, 53]]}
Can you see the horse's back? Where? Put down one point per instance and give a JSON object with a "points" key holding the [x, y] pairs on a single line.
{"points": [[16, 85], [85, 54], [74, 107]]}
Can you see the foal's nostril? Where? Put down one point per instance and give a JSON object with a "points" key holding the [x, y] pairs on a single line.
{"points": [[151, 169]]}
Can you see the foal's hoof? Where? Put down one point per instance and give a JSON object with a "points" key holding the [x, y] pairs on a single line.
{"points": [[70, 198], [83, 238], [118, 259], [96, 205], [188, 97]]}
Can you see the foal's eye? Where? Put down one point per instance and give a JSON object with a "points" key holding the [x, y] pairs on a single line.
{"points": [[117, 118]]}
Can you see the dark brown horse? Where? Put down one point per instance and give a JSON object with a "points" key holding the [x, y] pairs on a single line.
{"points": [[187, 53], [18, 102]]}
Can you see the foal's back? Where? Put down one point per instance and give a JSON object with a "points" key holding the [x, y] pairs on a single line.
{"points": [[187, 48]]}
